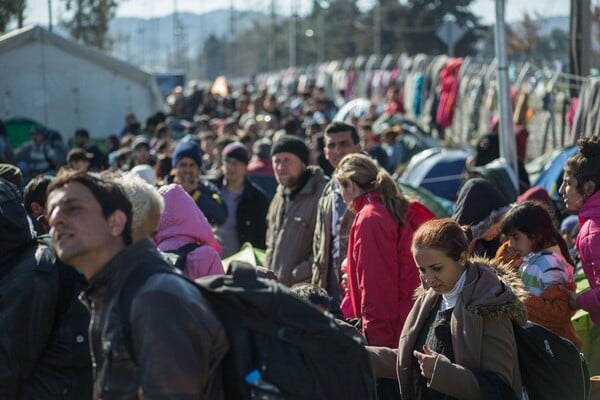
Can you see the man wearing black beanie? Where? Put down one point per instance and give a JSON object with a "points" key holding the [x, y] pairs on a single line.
{"points": [[292, 213]]}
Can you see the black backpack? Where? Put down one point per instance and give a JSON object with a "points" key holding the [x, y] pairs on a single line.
{"points": [[177, 257], [281, 346], [551, 366]]}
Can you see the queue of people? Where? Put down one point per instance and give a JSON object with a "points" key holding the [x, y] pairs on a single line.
{"points": [[435, 300]]}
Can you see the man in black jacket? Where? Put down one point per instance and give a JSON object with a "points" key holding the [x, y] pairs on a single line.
{"points": [[246, 203], [44, 347], [165, 342]]}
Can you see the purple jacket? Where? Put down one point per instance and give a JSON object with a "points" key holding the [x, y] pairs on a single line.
{"points": [[588, 246], [181, 223]]}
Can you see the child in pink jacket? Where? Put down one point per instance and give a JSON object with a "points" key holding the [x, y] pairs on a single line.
{"points": [[181, 223]]}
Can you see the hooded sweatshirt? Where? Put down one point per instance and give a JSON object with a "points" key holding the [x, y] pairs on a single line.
{"points": [[480, 205], [181, 223], [588, 246]]}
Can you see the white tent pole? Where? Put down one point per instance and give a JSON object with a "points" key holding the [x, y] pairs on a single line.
{"points": [[508, 145]]}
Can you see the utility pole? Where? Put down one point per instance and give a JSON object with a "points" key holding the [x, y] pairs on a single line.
{"points": [[271, 43], [175, 46], [230, 42], [292, 35], [508, 143], [579, 42], [377, 28], [323, 5], [50, 15]]}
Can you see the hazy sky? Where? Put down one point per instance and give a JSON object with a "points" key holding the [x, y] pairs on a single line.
{"points": [[37, 10]]}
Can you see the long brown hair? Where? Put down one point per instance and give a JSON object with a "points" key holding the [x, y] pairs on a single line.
{"points": [[366, 174]]}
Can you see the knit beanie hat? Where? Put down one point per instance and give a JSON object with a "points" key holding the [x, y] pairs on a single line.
{"points": [[291, 144], [569, 223], [236, 150], [12, 174], [188, 149], [479, 205], [536, 193]]}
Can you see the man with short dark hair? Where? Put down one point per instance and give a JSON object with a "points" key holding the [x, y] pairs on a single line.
{"points": [[34, 200], [79, 160], [246, 203], [292, 213], [170, 345], [333, 218], [99, 160]]}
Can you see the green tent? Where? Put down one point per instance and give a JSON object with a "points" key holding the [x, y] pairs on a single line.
{"points": [[442, 208], [19, 130]]}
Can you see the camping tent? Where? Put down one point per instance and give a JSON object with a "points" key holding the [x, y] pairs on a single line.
{"points": [[66, 86], [438, 170], [551, 175]]}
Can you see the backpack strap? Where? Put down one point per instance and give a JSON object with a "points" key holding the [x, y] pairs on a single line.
{"points": [[178, 257], [132, 285]]}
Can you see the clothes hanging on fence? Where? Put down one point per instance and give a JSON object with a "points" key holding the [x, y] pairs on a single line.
{"points": [[449, 83], [587, 118]]}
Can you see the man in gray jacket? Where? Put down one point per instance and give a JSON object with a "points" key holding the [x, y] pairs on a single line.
{"points": [[170, 344], [292, 213]]}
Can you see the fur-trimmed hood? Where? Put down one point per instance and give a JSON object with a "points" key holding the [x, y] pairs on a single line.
{"points": [[492, 290]]}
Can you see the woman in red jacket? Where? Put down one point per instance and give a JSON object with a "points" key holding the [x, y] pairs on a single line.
{"points": [[380, 268]]}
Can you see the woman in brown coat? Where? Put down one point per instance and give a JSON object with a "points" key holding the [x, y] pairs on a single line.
{"points": [[458, 339]]}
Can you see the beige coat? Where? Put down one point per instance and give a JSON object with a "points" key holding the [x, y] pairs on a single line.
{"points": [[482, 337], [290, 232]]}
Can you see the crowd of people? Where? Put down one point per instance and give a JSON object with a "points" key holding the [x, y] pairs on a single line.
{"points": [[434, 300]]}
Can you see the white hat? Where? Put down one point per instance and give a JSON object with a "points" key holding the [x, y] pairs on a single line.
{"points": [[145, 172]]}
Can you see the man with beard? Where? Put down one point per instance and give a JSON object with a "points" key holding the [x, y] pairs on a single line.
{"points": [[292, 213]]}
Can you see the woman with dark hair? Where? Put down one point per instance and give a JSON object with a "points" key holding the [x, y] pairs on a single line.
{"points": [[580, 190], [458, 340]]}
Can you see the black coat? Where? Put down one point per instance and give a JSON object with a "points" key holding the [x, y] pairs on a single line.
{"points": [[44, 351], [251, 214]]}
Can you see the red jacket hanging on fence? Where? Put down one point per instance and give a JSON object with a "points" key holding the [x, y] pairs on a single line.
{"points": [[449, 83]]}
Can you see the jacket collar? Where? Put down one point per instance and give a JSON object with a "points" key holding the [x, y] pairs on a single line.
{"points": [[491, 290], [115, 271], [366, 198], [591, 208], [307, 187]]}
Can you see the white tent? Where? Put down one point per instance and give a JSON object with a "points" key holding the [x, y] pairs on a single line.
{"points": [[66, 86]]}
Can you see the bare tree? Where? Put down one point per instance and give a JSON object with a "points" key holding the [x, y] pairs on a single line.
{"points": [[90, 19], [11, 10]]}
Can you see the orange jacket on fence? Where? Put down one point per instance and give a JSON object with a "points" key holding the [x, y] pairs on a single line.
{"points": [[551, 309]]}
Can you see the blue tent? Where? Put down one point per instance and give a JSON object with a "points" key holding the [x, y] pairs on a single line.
{"points": [[438, 170], [551, 175]]}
